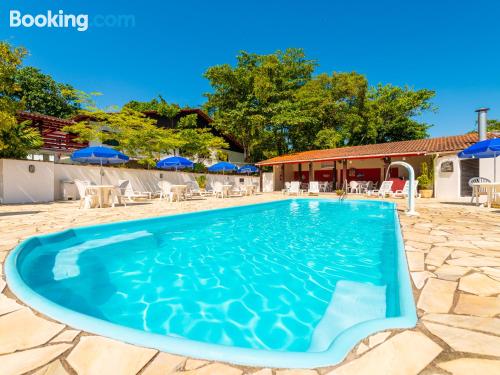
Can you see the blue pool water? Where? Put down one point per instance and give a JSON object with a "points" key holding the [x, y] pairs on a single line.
{"points": [[287, 276]]}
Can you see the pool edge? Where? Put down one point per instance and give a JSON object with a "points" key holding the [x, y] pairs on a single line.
{"points": [[337, 351]]}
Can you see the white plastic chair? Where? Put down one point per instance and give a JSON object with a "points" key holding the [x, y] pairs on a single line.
{"points": [[313, 188], [165, 190], [218, 189], [476, 189], [87, 200], [353, 187], [286, 190], [118, 194]]}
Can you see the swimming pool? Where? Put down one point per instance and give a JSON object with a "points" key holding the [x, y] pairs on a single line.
{"points": [[292, 283]]}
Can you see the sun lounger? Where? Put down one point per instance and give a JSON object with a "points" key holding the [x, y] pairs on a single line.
{"points": [[131, 194], [385, 189], [313, 188], [403, 193], [294, 188]]}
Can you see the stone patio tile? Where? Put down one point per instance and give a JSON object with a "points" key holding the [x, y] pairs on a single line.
{"points": [[264, 371], [491, 271], [479, 306], [479, 284], [450, 272], [475, 323], [469, 366], [419, 278], [214, 369], [362, 348], [22, 329], [296, 372], [461, 254], [437, 296], [192, 364], [8, 305], [458, 244], [378, 338], [54, 368], [493, 245], [437, 256], [415, 261], [163, 364], [475, 261], [418, 245], [100, 355], [422, 237], [22, 362], [463, 340], [66, 336], [396, 356]]}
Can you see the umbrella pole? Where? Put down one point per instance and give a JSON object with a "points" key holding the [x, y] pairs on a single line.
{"points": [[494, 167], [101, 172]]}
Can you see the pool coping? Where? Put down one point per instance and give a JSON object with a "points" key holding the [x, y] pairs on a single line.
{"points": [[336, 352]]}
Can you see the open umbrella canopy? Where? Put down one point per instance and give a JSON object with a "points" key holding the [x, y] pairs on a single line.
{"points": [[248, 169], [175, 162], [99, 155], [489, 148], [223, 166]]}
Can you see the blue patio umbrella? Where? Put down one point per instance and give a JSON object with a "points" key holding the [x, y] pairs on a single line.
{"points": [[223, 166], [99, 155], [175, 162], [489, 148], [248, 169]]}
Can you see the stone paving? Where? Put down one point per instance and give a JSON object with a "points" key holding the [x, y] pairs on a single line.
{"points": [[453, 254]]}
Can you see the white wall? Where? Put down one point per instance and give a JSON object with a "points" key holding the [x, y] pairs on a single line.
{"points": [[486, 168], [268, 182], [21, 186], [447, 184], [18, 185]]}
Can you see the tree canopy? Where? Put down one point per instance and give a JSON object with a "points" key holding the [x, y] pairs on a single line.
{"points": [[41, 93], [272, 104], [16, 139]]}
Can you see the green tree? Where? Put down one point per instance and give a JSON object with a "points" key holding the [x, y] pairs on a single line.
{"points": [[253, 101], [493, 125], [40, 93], [17, 139]]}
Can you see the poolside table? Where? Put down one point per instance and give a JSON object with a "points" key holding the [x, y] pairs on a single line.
{"points": [[491, 188], [103, 193], [179, 191]]}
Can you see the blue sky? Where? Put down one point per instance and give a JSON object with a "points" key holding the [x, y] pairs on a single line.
{"points": [[448, 46]]}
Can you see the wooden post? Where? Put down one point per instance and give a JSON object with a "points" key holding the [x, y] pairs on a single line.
{"points": [[311, 172], [283, 176], [344, 168], [260, 180], [334, 179], [300, 172]]}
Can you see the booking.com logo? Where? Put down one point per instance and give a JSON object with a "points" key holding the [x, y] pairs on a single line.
{"points": [[80, 22]]}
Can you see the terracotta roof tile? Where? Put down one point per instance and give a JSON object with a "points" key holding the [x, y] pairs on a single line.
{"points": [[413, 147]]}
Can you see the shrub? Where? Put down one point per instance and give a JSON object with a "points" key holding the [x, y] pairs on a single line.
{"points": [[425, 180], [202, 181]]}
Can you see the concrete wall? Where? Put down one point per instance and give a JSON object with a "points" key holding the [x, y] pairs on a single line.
{"points": [[447, 184], [18, 185], [268, 182], [486, 168]]}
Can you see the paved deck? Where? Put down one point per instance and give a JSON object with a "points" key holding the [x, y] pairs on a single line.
{"points": [[454, 258]]}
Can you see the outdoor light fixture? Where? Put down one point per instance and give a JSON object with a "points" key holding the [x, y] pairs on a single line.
{"points": [[31, 168]]}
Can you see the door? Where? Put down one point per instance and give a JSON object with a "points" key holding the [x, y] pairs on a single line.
{"points": [[468, 168]]}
